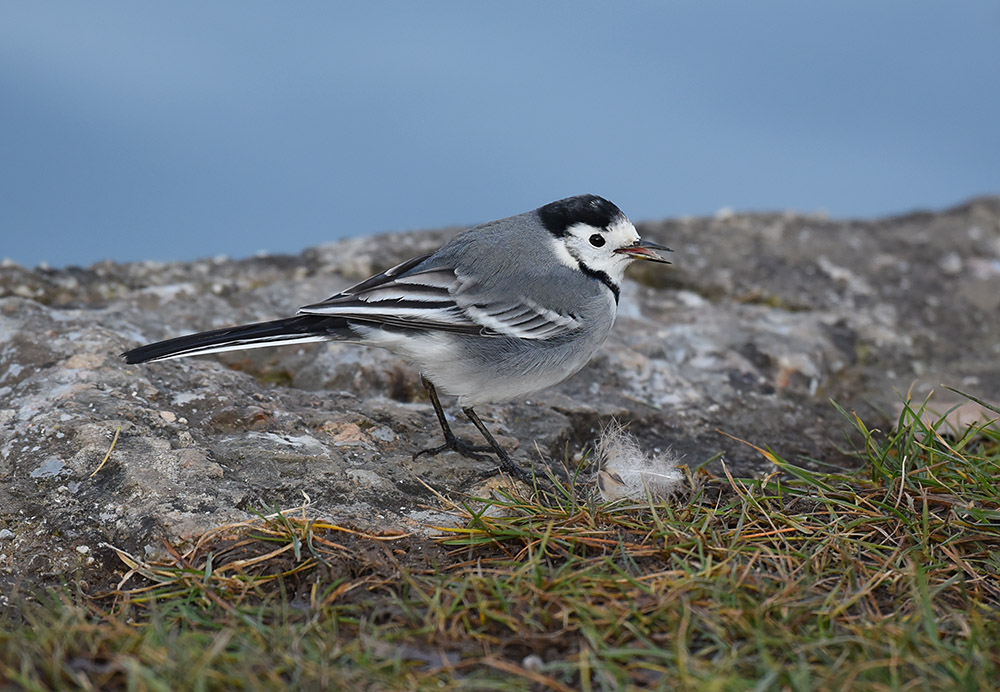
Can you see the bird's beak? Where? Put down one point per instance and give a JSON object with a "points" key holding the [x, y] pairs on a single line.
{"points": [[643, 249]]}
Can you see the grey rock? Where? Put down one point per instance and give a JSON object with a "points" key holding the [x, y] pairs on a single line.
{"points": [[761, 321]]}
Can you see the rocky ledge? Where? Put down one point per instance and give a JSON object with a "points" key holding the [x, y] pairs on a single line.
{"points": [[762, 320]]}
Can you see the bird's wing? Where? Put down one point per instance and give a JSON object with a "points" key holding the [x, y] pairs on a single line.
{"points": [[442, 299]]}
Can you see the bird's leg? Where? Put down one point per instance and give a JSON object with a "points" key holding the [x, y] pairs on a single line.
{"points": [[505, 461], [451, 442]]}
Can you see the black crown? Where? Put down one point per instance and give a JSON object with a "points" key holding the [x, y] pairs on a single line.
{"points": [[589, 209]]}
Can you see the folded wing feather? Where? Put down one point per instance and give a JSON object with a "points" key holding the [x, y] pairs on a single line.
{"points": [[442, 299]]}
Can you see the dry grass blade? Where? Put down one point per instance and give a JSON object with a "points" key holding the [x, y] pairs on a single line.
{"points": [[107, 456]]}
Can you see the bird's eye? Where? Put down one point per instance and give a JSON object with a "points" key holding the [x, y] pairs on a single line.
{"points": [[597, 240]]}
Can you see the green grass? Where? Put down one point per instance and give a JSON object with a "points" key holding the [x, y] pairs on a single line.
{"points": [[884, 578]]}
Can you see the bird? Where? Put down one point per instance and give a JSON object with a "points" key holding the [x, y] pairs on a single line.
{"points": [[502, 310]]}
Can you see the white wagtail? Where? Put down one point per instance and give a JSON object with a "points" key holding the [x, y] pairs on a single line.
{"points": [[501, 311]]}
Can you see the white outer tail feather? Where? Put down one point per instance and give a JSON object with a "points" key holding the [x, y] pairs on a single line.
{"points": [[243, 346]]}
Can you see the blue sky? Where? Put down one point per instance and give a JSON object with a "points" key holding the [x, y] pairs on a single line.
{"points": [[177, 130]]}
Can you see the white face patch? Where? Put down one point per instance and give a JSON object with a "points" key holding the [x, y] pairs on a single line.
{"points": [[562, 253], [577, 247], [625, 231]]}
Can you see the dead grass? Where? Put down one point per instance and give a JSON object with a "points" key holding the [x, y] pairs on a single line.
{"points": [[886, 578]]}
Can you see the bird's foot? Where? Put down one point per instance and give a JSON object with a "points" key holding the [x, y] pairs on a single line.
{"points": [[467, 449], [455, 444]]}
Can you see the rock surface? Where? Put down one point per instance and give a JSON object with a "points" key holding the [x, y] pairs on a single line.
{"points": [[762, 319]]}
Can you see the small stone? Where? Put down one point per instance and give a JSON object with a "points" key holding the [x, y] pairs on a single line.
{"points": [[48, 468], [951, 263], [383, 433], [532, 662]]}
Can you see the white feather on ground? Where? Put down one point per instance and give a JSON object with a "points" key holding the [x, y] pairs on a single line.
{"points": [[629, 472]]}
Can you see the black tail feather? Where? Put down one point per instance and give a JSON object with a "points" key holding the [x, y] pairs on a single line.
{"points": [[273, 333]]}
